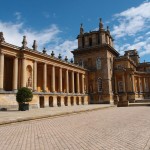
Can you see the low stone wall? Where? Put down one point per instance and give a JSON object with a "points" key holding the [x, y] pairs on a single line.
{"points": [[8, 100]]}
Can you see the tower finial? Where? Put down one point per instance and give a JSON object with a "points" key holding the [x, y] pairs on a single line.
{"points": [[100, 24], [34, 45], [81, 29], [24, 42], [1, 37], [108, 29]]}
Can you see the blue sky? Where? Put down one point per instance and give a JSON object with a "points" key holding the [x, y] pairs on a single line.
{"points": [[55, 23]]}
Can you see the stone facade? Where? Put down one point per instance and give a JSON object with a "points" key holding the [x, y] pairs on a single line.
{"points": [[98, 74], [111, 78]]}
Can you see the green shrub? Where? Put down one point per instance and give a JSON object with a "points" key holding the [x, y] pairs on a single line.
{"points": [[24, 95]]}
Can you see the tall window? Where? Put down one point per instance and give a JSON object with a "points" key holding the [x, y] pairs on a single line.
{"points": [[99, 82], [81, 63], [90, 41], [98, 63]]}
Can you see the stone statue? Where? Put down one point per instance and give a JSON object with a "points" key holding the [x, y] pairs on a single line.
{"points": [[1, 37]]}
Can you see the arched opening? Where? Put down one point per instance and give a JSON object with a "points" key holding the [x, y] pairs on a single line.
{"points": [[41, 101], [29, 76], [82, 100], [66, 101], [58, 101], [51, 101], [8, 73], [72, 101], [77, 100]]}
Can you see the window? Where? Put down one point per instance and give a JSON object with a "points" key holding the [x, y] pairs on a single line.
{"points": [[99, 81], [90, 41], [81, 63], [98, 63]]}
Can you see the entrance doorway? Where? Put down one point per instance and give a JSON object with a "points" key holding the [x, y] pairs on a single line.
{"points": [[51, 101], [41, 101], [77, 100]]}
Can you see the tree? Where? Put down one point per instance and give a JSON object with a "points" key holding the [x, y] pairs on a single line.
{"points": [[23, 96]]}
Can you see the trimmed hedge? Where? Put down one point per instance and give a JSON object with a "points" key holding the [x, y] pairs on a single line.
{"points": [[24, 95]]}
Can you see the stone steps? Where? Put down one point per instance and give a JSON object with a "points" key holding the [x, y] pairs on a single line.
{"points": [[139, 104]]}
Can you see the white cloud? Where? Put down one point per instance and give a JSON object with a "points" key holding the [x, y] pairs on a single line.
{"points": [[65, 48], [18, 15], [49, 38], [132, 29], [132, 21], [13, 33]]}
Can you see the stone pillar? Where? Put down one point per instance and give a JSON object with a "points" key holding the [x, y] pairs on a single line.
{"points": [[78, 86], [139, 84], [35, 76], [1, 71], [15, 74], [45, 77], [62, 101], [53, 79], [60, 79], [69, 101], [72, 82], [133, 84], [83, 83], [23, 82], [144, 85], [67, 82], [124, 84], [116, 90]]}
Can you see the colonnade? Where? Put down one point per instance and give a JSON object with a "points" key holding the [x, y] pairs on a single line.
{"points": [[72, 85], [77, 85], [133, 83]]}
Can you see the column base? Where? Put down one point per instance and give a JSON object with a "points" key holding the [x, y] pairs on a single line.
{"points": [[15, 90]]}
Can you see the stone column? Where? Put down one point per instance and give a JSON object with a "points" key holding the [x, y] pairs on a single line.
{"points": [[144, 85], [67, 82], [53, 79], [133, 84], [35, 76], [72, 82], [116, 90], [124, 84], [78, 86], [23, 83], [83, 83], [45, 77], [1, 72], [15, 74], [60, 79], [139, 84]]}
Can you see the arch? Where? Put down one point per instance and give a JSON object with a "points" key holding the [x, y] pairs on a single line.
{"points": [[82, 100], [29, 76], [51, 101], [41, 101], [58, 101], [99, 84], [66, 101], [72, 101], [77, 100], [98, 63]]}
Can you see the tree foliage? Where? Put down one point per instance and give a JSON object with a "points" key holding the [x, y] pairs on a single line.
{"points": [[24, 95]]}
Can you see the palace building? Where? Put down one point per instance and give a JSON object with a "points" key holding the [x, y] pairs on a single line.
{"points": [[97, 75]]}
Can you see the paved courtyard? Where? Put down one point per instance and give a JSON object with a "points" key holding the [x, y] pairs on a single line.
{"points": [[107, 129]]}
